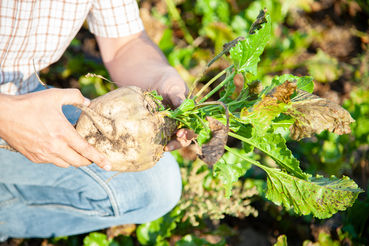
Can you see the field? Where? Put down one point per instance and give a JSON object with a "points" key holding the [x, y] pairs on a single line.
{"points": [[327, 40]]}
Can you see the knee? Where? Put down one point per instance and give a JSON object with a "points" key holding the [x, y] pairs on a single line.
{"points": [[166, 190], [155, 192]]}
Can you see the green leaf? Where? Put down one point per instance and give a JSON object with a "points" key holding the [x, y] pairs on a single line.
{"points": [[274, 145], [319, 196], [96, 239], [162, 243], [191, 240], [244, 130], [156, 231], [123, 240], [239, 24], [215, 19], [156, 95], [229, 168], [271, 105], [324, 68], [324, 239], [305, 83], [187, 105], [212, 11], [181, 56], [229, 89], [262, 115], [281, 241], [203, 136], [166, 43], [219, 33], [357, 218], [246, 54], [92, 87], [247, 147]]}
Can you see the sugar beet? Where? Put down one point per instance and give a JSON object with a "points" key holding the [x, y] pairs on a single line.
{"points": [[125, 125]]}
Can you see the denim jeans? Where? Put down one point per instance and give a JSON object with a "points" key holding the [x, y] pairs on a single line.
{"points": [[43, 200]]}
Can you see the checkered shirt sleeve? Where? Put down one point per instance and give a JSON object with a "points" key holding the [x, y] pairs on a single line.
{"points": [[114, 18], [38, 32]]}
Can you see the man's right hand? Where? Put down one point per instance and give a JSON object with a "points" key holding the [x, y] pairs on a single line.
{"points": [[35, 125]]}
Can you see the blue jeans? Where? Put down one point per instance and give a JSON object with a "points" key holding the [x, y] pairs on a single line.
{"points": [[43, 200]]}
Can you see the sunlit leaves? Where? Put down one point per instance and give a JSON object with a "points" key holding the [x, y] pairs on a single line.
{"points": [[101, 239], [191, 240], [274, 145], [319, 196], [246, 54], [186, 105], [281, 241], [304, 83], [96, 239], [230, 168], [215, 18], [256, 116], [156, 231], [323, 67], [269, 107], [263, 115]]}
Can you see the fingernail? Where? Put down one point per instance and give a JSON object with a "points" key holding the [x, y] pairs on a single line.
{"points": [[178, 102], [107, 166], [86, 102]]}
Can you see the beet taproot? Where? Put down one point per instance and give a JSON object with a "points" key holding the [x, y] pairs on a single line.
{"points": [[126, 126]]}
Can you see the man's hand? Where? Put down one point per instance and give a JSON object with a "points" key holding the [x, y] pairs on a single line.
{"points": [[174, 91], [136, 60], [35, 125]]}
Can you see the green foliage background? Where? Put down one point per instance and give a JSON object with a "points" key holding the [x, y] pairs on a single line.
{"points": [[191, 33]]}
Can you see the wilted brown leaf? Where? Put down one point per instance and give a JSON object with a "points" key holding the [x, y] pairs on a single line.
{"points": [[271, 106], [214, 149], [280, 94], [284, 91], [125, 230], [314, 114], [255, 87]]}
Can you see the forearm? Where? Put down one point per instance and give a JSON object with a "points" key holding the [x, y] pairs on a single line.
{"points": [[6, 107], [136, 60]]}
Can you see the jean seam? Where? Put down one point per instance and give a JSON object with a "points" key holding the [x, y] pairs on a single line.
{"points": [[8, 202], [106, 187], [20, 198], [14, 198], [72, 209]]}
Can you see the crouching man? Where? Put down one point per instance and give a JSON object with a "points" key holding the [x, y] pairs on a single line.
{"points": [[49, 186]]}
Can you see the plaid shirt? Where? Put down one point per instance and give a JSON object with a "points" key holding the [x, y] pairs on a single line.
{"points": [[41, 30]]}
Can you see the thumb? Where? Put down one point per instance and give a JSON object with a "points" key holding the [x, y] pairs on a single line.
{"points": [[177, 94], [177, 99], [73, 96]]}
